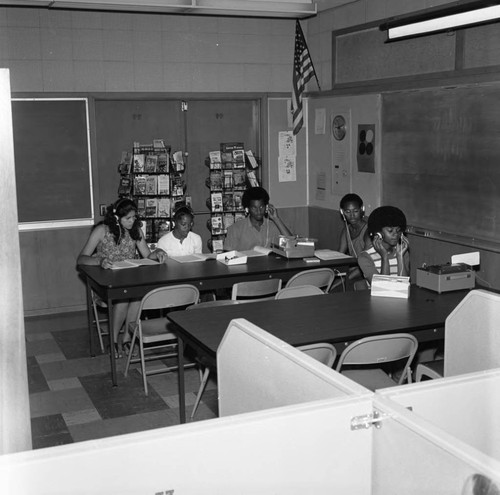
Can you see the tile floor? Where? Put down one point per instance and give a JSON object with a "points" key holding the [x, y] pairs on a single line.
{"points": [[71, 395]]}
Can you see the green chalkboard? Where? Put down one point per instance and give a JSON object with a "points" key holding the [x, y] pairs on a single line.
{"points": [[52, 160], [441, 159]]}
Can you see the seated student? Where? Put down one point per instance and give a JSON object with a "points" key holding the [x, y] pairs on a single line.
{"points": [[389, 253], [261, 225], [117, 238], [181, 241], [354, 237]]}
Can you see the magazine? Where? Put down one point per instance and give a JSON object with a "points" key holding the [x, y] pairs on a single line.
{"points": [[139, 163], [151, 184], [139, 185], [164, 184], [151, 163]]}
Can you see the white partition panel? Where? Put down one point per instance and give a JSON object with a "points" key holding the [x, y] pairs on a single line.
{"points": [[303, 449], [472, 334], [411, 456], [256, 370], [466, 407]]}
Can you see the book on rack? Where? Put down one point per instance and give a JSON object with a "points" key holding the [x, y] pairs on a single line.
{"points": [[239, 178], [228, 201], [163, 163], [125, 186], [237, 200], [151, 207], [125, 163], [228, 179], [252, 178], [139, 185], [239, 158], [163, 207], [216, 180], [217, 226], [139, 160], [118, 265], [177, 185], [151, 184], [215, 160], [162, 227], [217, 245], [164, 184], [178, 161], [141, 207], [227, 160], [151, 162], [251, 159], [216, 202], [228, 220], [158, 145]]}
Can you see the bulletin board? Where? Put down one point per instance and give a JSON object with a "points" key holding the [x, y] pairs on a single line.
{"points": [[441, 159], [52, 158]]}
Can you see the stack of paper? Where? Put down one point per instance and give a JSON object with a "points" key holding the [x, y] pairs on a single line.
{"points": [[390, 286], [329, 254]]}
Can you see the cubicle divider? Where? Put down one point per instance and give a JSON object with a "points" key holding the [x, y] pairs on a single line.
{"points": [[336, 437]]}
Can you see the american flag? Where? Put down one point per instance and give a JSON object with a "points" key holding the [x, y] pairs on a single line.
{"points": [[303, 70]]}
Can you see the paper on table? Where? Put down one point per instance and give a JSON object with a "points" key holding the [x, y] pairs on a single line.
{"points": [[192, 258], [118, 265], [329, 254], [232, 258], [256, 251]]}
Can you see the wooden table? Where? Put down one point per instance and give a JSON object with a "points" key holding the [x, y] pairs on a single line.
{"points": [[338, 318], [134, 283]]}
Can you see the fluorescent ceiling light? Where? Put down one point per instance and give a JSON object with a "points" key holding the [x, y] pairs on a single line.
{"points": [[253, 8], [441, 20]]}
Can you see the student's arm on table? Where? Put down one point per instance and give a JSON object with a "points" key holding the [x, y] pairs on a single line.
{"points": [[85, 257]]}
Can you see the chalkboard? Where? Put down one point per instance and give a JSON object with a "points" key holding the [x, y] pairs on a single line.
{"points": [[52, 160], [441, 159]]}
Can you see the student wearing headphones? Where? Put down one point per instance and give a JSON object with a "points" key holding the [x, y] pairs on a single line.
{"points": [[389, 253], [354, 237], [261, 225], [117, 238], [181, 241]]}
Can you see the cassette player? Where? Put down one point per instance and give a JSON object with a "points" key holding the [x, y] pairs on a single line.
{"points": [[447, 277]]}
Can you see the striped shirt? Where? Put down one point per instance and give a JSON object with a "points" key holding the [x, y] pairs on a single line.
{"points": [[370, 263]]}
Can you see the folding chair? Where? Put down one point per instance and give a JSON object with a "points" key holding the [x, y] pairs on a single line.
{"points": [[377, 350], [156, 333], [319, 277]]}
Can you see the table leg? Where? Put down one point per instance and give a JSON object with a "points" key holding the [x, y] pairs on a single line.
{"points": [[180, 370], [90, 318], [111, 343]]}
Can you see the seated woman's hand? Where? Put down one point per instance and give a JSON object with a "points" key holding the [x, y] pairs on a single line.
{"points": [[161, 255]]}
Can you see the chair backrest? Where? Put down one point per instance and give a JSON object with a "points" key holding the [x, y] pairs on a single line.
{"points": [[209, 304], [322, 352], [260, 289], [298, 291], [380, 349], [319, 277], [170, 297]]}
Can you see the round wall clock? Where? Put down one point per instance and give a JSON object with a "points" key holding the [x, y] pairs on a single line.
{"points": [[338, 127]]}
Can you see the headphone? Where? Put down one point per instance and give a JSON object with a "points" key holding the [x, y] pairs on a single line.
{"points": [[342, 214], [115, 208]]}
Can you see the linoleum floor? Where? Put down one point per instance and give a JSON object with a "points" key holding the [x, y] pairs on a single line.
{"points": [[71, 395]]}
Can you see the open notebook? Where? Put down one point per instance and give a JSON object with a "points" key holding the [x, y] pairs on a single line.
{"points": [[193, 258], [118, 265]]}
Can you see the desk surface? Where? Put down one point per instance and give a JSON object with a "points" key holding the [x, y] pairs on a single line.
{"points": [[205, 275], [336, 318]]}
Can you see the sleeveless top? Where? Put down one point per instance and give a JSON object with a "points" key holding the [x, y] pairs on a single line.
{"points": [[356, 244], [107, 248], [377, 261]]}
